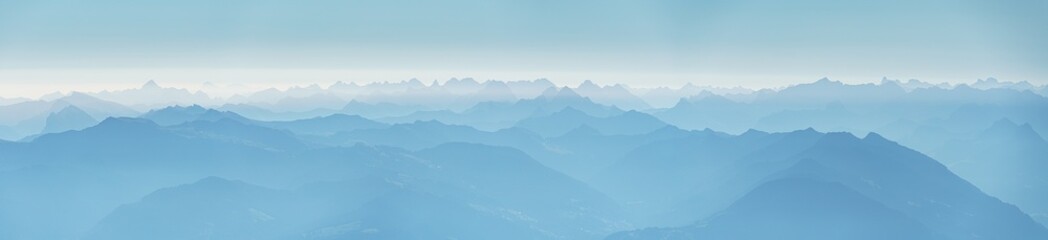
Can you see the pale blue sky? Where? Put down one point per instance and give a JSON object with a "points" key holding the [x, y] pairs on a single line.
{"points": [[749, 43]]}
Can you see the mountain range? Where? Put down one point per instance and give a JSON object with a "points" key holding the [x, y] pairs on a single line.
{"points": [[465, 159]]}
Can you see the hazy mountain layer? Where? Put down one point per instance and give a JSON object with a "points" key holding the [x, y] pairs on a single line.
{"points": [[465, 159]]}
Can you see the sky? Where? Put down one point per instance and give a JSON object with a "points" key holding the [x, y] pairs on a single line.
{"points": [[49, 45]]}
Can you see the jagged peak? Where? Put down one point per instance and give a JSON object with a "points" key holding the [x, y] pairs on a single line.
{"points": [[987, 80], [637, 115], [587, 84], [559, 93], [889, 82], [463, 81], [195, 108], [808, 130], [492, 84]]}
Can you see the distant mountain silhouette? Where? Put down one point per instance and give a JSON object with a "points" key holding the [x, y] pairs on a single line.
{"points": [[616, 95], [151, 95], [178, 115], [492, 116], [529, 89], [468, 159], [262, 114], [378, 110], [230, 130], [426, 134], [710, 111], [69, 118], [30, 117], [629, 123], [326, 125]]}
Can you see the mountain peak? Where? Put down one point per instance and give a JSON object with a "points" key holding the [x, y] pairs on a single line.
{"points": [[70, 109], [415, 82], [150, 85], [125, 123], [69, 118], [191, 109], [827, 81], [496, 89], [874, 137], [174, 115], [569, 110], [78, 97], [987, 80], [682, 103], [1007, 129], [754, 132], [561, 93], [587, 85], [807, 130], [839, 139]]}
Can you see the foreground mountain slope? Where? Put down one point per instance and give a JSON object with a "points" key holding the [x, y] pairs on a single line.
{"points": [[207, 209], [899, 178], [1007, 160], [798, 209], [458, 190]]}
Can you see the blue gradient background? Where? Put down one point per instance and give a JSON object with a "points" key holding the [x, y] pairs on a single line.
{"points": [[750, 43]]}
